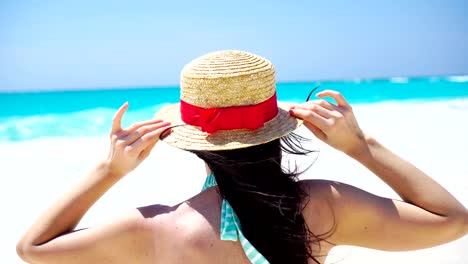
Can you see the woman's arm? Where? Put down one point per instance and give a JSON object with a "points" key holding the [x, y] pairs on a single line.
{"points": [[51, 240], [411, 184], [429, 216]]}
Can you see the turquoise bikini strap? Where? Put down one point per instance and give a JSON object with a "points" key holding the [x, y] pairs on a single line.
{"points": [[230, 228]]}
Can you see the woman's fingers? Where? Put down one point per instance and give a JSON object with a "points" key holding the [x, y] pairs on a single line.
{"points": [[336, 125], [340, 100], [324, 104], [144, 130], [149, 139], [117, 120], [312, 106], [136, 126], [129, 147], [311, 117], [313, 121]]}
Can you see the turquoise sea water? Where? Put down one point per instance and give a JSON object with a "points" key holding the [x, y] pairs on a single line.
{"points": [[31, 115]]}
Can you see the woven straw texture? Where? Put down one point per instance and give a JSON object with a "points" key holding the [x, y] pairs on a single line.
{"points": [[241, 78], [223, 79]]}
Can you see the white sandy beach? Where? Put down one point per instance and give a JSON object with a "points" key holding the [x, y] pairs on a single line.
{"points": [[432, 135]]}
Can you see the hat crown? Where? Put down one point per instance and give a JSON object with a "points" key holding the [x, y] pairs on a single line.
{"points": [[227, 78]]}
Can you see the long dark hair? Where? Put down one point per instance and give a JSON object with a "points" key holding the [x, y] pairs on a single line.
{"points": [[266, 197]]}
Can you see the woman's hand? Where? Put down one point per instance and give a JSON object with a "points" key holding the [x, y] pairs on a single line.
{"points": [[130, 146], [333, 124]]}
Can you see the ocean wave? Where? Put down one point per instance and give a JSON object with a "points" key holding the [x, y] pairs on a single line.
{"points": [[458, 78], [93, 122], [399, 80]]}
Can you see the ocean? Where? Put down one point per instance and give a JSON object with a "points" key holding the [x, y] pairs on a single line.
{"points": [[80, 113]]}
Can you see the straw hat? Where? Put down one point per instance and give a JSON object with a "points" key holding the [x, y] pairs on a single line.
{"points": [[221, 94]]}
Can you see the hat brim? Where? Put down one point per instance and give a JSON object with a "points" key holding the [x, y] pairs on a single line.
{"points": [[190, 137]]}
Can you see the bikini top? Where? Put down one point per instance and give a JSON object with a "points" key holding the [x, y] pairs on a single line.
{"points": [[230, 228]]}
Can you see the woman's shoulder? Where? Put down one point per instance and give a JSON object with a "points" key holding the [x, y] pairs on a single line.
{"points": [[189, 231], [318, 208], [324, 197], [200, 210], [324, 192], [317, 201]]}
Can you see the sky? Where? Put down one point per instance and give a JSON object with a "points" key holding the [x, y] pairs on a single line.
{"points": [[88, 44]]}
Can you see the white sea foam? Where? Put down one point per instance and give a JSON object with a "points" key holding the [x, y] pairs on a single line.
{"points": [[399, 80], [430, 134], [458, 78]]}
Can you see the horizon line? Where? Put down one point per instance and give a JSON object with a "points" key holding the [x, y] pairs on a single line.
{"points": [[172, 86]]}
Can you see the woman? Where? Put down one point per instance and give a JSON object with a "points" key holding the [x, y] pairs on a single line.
{"points": [[252, 210]]}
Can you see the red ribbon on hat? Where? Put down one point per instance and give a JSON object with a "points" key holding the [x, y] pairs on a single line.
{"points": [[229, 118]]}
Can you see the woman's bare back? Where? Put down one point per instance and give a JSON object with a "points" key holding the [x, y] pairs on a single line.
{"points": [[189, 231]]}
